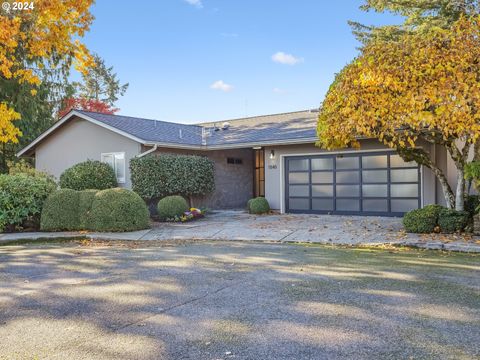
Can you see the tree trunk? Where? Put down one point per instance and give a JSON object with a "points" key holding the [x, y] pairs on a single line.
{"points": [[422, 158], [460, 192], [447, 190], [460, 158]]}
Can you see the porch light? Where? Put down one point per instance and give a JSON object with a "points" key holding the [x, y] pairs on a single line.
{"points": [[272, 155], [257, 148]]}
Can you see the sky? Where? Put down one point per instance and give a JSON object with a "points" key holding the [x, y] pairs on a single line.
{"points": [[209, 60]]}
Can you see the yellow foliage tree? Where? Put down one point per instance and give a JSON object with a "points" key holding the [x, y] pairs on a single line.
{"points": [[34, 39], [419, 87]]}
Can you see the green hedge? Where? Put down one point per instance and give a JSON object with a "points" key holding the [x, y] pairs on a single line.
{"points": [[61, 211], [171, 206], [118, 210], [88, 175], [422, 220], [451, 221], [21, 199], [155, 177], [472, 204], [106, 210], [258, 205]]}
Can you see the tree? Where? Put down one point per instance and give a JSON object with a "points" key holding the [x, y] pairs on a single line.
{"points": [[37, 49], [423, 86], [86, 104], [100, 83], [420, 16]]}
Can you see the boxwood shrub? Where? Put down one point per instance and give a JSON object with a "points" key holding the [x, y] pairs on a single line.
{"points": [[118, 210], [88, 175], [451, 221], [258, 205], [105, 210], [422, 220], [171, 206], [155, 177], [61, 211], [21, 199]]}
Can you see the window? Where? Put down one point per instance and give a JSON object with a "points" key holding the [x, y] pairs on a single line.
{"points": [[117, 162], [234, 161], [259, 176]]}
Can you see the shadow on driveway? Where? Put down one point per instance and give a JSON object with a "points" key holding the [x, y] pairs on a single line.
{"points": [[218, 300]]}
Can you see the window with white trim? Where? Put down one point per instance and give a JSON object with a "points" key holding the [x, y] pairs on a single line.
{"points": [[117, 162]]}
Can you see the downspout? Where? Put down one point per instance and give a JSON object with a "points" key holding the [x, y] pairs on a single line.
{"points": [[153, 149]]}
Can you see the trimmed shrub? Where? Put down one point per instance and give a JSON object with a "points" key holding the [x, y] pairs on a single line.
{"points": [[88, 175], [118, 210], [451, 221], [171, 206], [422, 221], [472, 204], [85, 202], [60, 211], [21, 200], [258, 205], [155, 177]]}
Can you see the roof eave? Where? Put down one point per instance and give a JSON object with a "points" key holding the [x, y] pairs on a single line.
{"points": [[64, 119]]}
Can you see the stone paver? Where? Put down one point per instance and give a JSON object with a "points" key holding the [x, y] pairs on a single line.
{"points": [[324, 229]]}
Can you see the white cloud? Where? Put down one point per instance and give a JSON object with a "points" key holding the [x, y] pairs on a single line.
{"points": [[279, 91], [229, 35], [287, 59], [222, 86], [197, 3]]}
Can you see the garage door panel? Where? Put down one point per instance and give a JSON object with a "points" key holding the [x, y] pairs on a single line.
{"points": [[375, 205], [348, 205], [348, 177], [324, 177], [363, 183], [322, 204]]}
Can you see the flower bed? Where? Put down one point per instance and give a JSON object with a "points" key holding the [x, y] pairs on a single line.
{"points": [[192, 214]]}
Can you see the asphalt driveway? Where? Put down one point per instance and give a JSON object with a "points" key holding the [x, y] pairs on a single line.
{"points": [[232, 300]]}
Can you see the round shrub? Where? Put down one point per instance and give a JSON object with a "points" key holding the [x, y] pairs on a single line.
{"points": [[60, 211], [88, 175], [21, 199], [258, 205], [451, 221], [422, 220], [118, 210], [171, 206], [85, 202]]}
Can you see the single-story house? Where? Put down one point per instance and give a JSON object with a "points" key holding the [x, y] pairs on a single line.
{"points": [[272, 156]]}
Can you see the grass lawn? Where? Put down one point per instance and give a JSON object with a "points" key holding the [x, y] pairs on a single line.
{"points": [[218, 300]]}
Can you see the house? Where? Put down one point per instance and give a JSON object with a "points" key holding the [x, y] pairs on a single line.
{"points": [[272, 156]]}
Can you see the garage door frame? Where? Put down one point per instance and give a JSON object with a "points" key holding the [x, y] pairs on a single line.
{"points": [[360, 182]]}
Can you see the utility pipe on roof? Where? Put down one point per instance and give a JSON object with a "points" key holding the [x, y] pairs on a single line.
{"points": [[155, 147]]}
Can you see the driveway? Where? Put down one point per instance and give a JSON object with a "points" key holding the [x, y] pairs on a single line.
{"points": [[235, 300]]}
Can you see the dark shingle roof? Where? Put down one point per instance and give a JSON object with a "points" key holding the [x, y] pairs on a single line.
{"points": [[151, 130], [293, 126]]}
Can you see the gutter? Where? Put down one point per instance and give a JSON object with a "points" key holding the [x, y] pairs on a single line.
{"points": [[153, 149]]}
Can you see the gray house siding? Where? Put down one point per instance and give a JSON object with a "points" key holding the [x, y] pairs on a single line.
{"points": [[80, 140], [233, 182]]}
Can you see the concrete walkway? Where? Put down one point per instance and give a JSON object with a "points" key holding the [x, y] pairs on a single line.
{"points": [[324, 229]]}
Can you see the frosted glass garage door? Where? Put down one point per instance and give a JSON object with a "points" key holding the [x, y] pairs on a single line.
{"points": [[365, 183]]}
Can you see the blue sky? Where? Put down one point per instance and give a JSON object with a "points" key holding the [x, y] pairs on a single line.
{"points": [[191, 60]]}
